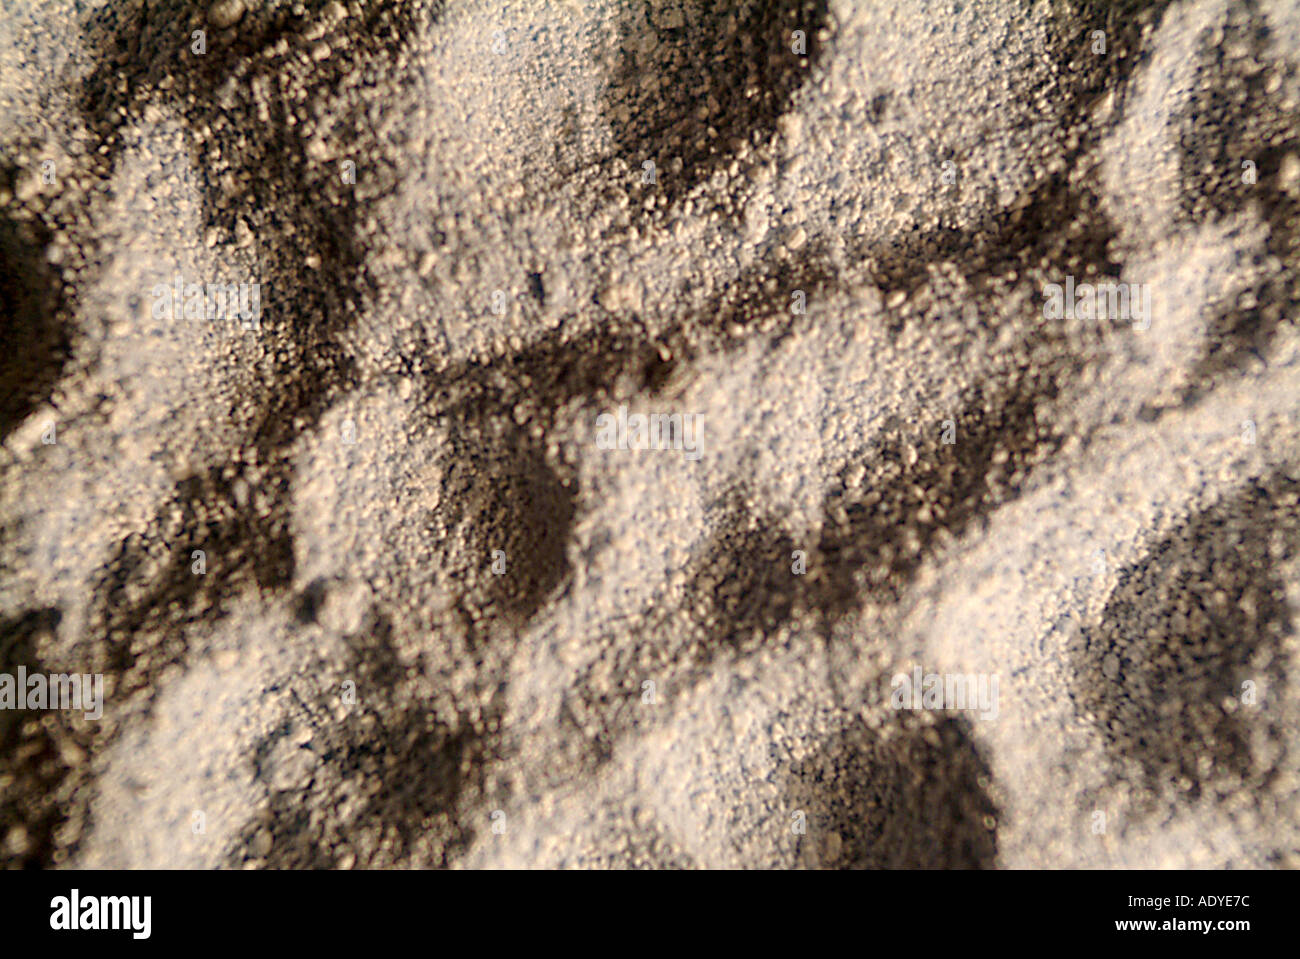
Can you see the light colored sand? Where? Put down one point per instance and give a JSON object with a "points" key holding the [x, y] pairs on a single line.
{"points": [[350, 468]]}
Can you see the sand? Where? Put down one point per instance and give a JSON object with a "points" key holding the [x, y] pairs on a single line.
{"points": [[366, 585]]}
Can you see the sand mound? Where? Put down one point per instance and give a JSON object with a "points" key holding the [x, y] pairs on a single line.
{"points": [[968, 337]]}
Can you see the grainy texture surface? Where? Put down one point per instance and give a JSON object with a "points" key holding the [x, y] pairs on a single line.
{"points": [[475, 227]]}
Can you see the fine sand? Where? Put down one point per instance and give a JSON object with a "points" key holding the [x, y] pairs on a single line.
{"points": [[370, 586]]}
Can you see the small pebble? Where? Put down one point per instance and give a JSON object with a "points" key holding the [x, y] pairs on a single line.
{"points": [[225, 13]]}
